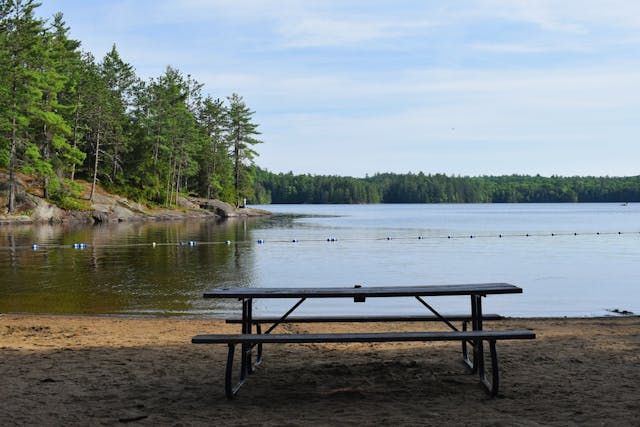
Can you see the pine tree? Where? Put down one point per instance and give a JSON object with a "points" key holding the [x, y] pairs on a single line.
{"points": [[96, 116], [21, 45], [56, 155], [170, 137], [241, 138], [68, 62], [215, 167], [120, 78]]}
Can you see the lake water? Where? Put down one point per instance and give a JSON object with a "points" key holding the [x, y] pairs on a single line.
{"points": [[121, 272]]}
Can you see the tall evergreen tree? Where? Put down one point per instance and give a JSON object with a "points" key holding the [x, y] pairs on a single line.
{"points": [[68, 62], [242, 132], [215, 167], [170, 138], [22, 46], [120, 78], [96, 117], [56, 154]]}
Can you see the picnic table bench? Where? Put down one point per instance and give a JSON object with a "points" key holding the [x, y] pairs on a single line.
{"points": [[475, 337]]}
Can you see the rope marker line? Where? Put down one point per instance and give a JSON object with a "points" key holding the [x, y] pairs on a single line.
{"points": [[193, 243]]}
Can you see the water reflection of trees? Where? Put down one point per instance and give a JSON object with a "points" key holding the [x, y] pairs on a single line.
{"points": [[121, 271]]}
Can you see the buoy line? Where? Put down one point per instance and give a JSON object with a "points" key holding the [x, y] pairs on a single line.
{"points": [[193, 243]]}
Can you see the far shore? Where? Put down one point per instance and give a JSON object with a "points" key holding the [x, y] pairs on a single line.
{"points": [[61, 370]]}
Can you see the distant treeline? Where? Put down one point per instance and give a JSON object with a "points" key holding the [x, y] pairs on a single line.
{"points": [[66, 115], [439, 188]]}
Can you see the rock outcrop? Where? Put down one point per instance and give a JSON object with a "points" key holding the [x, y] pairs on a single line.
{"points": [[106, 207], [225, 210]]}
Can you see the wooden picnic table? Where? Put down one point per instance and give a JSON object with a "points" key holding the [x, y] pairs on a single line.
{"points": [[475, 337]]}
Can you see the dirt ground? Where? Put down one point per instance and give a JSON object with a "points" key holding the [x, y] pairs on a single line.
{"points": [[75, 370]]}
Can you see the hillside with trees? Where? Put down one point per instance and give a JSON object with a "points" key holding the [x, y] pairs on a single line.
{"points": [[440, 188], [66, 115]]}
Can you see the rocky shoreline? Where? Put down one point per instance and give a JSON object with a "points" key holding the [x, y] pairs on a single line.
{"points": [[112, 208]]}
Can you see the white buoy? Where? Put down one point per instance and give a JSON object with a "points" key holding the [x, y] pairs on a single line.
{"points": [[153, 244]]}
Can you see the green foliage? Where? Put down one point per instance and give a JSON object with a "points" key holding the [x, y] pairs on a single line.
{"points": [[64, 115], [22, 53], [439, 188], [241, 137], [34, 164], [4, 156], [66, 194]]}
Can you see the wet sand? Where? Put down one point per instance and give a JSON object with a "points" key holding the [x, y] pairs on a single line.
{"points": [[81, 370]]}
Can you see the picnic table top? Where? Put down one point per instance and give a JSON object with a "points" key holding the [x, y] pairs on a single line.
{"points": [[365, 291]]}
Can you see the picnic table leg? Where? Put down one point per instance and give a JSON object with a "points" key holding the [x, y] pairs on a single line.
{"points": [[230, 390], [259, 355], [465, 352], [244, 369], [250, 331], [478, 359], [228, 375], [493, 385], [247, 327], [473, 364]]}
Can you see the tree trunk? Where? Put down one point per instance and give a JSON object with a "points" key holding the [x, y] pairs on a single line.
{"points": [[168, 194], [156, 148], [178, 181], [236, 155], [45, 154], [115, 161], [212, 170], [12, 166], [95, 166], [75, 133]]}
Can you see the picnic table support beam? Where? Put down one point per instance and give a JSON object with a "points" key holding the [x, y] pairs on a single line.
{"points": [[493, 385], [284, 316], [438, 315], [465, 356], [272, 327]]}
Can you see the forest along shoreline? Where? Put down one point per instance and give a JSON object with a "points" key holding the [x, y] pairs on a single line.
{"points": [[33, 208]]}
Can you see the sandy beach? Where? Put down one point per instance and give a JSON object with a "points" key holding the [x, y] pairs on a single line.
{"points": [[87, 370]]}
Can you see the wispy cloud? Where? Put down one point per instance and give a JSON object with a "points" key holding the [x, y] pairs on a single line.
{"points": [[341, 32], [568, 16], [528, 48]]}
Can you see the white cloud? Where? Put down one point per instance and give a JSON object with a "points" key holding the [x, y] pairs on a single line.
{"points": [[528, 48], [340, 32], [571, 16]]}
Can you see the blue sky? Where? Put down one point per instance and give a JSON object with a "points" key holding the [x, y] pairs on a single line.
{"points": [[359, 87]]}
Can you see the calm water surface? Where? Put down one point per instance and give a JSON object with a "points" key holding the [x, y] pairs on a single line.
{"points": [[121, 272]]}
